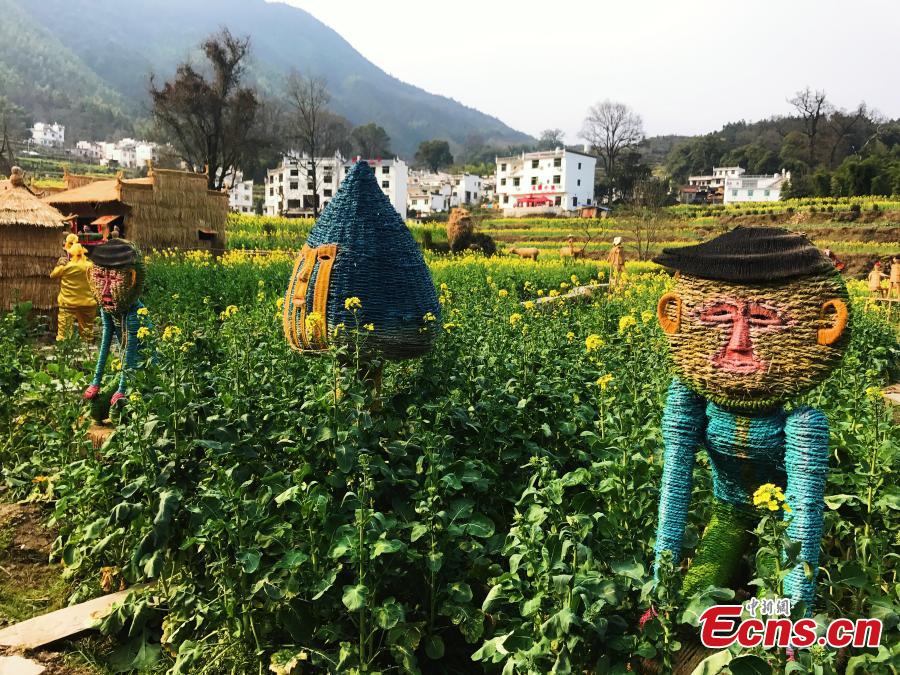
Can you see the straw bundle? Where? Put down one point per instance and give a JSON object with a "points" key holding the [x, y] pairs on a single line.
{"points": [[459, 229], [31, 236]]}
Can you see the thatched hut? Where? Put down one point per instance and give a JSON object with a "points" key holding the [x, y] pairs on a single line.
{"points": [[31, 239], [167, 209]]}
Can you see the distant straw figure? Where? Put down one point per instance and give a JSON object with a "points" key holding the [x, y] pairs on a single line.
{"points": [[616, 260], [76, 302], [894, 288], [569, 252], [875, 277]]}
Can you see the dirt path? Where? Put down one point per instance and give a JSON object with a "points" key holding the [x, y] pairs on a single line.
{"points": [[30, 585]]}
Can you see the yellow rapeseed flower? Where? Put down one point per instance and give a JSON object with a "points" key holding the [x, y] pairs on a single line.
{"points": [[143, 311], [429, 317], [646, 316], [353, 304], [554, 293], [229, 311], [170, 333], [503, 292], [626, 322], [315, 324], [279, 303], [369, 327], [769, 497], [570, 336], [593, 342], [604, 380], [528, 304], [515, 318], [574, 279], [143, 332]]}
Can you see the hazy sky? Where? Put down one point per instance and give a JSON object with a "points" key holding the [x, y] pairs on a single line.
{"points": [[686, 66]]}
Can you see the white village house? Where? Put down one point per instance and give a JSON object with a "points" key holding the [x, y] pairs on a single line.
{"points": [[549, 181], [717, 179], [127, 153], [747, 188], [289, 188], [48, 135], [240, 193], [429, 192], [467, 189]]}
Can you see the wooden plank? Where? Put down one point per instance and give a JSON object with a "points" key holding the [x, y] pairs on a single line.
{"points": [[19, 665], [61, 624]]}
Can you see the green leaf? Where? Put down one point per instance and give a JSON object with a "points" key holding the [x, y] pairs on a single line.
{"points": [[629, 568], [532, 605], [460, 592], [355, 597], [249, 560], [557, 626], [154, 564], [434, 647], [713, 664], [288, 494], [383, 546], [480, 526], [493, 595], [389, 614], [749, 665], [417, 531]]}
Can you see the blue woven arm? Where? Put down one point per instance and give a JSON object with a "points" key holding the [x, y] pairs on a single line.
{"points": [[683, 428], [105, 341], [806, 463]]}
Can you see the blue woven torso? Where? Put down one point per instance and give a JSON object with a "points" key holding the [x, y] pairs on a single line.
{"points": [[744, 452]]}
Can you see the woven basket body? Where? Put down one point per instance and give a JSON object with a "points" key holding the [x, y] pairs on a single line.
{"points": [[361, 248]]}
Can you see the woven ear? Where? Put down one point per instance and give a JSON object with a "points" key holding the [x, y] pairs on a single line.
{"points": [[830, 335], [667, 324]]}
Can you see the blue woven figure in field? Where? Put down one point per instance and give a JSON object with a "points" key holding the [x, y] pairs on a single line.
{"points": [[116, 279], [361, 248], [757, 316]]}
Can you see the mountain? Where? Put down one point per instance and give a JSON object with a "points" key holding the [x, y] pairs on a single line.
{"points": [[86, 63]]}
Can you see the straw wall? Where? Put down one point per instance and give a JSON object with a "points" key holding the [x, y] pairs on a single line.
{"points": [[171, 211], [27, 256]]}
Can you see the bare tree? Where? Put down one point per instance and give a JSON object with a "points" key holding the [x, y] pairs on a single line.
{"points": [[841, 124], [212, 121], [650, 196], [12, 126], [315, 130], [612, 128], [812, 106]]}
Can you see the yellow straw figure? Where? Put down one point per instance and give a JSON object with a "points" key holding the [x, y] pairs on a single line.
{"points": [[76, 303]]}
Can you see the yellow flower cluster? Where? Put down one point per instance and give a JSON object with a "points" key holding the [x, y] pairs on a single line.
{"points": [[528, 304], [626, 322], [352, 304], [429, 317], [604, 380], [315, 324], [143, 311], [170, 333], [143, 332], [229, 311], [514, 318], [770, 497], [593, 342], [503, 292]]}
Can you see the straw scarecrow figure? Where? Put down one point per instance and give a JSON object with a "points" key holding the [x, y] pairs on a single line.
{"points": [[757, 316], [616, 260], [116, 279], [76, 302]]}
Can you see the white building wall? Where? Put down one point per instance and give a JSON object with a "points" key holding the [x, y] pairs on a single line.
{"points": [[564, 177], [48, 135], [393, 178], [755, 188], [289, 186]]}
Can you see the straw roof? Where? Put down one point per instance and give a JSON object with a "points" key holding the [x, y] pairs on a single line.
{"points": [[19, 206], [98, 192]]}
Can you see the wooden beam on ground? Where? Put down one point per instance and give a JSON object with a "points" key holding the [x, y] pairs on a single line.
{"points": [[61, 624], [577, 293], [19, 665]]}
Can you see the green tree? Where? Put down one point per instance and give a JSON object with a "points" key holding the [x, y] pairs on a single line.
{"points": [[550, 139], [371, 141], [434, 154]]}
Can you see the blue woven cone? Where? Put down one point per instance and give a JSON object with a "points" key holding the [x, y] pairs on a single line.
{"points": [[377, 261]]}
